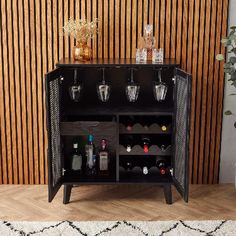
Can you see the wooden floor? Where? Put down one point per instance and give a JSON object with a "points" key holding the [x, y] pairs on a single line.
{"points": [[29, 202]]}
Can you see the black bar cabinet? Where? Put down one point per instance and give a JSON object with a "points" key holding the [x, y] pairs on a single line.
{"points": [[67, 119]]}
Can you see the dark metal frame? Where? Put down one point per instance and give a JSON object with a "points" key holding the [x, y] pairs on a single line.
{"points": [[180, 74], [52, 190]]}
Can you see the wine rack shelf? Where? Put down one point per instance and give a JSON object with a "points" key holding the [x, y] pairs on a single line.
{"points": [[137, 150], [159, 152], [139, 129], [136, 176]]}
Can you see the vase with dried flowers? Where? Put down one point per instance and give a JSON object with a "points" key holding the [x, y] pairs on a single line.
{"points": [[82, 31]]}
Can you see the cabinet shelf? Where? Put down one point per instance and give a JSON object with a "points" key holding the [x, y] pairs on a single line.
{"points": [[88, 127], [139, 129], [133, 176], [137, 150], [105, 109], [72, 176]]}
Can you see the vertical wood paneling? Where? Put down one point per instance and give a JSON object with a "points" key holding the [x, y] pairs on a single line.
{"points": [[8, 159], [32, 41], [199, 89], [210, 94], [220, 97], [214, 121], [19, 145], [23, 102], [134, 27], [117, 28], [128, 28], [2, 118], [203, 161], [173, 27], [194, 86]]}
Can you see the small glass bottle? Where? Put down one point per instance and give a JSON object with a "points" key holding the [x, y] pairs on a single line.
{"points": [[90, 156], [76, 159], [103, 155]]}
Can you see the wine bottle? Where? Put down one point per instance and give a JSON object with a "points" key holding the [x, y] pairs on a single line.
{"points": [[76, 159], [145, 170], [91, 156], [145, 164], [129, 122], [126, 164], [163, 122], [162, 166], [128, 142], [145, 143], [144, 121], [103, 155]]}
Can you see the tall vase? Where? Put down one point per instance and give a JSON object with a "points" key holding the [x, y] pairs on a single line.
{"points": [[82, 52]]}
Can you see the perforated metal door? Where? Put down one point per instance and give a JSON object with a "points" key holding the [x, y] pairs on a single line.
{"points": [[182, 101], [53, 96]]}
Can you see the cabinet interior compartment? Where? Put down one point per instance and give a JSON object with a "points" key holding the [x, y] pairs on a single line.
{"points": [[131, 169], [118, 78], [79, 129]]}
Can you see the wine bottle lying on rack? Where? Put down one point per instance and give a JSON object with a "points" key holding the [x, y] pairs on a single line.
{"points": [[162, 166], [145, 143], [163, 122], [128, 142], [128, 122]]}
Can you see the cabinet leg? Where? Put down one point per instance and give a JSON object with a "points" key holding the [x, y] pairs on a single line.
{"points": [[168, 193], [67, 193]]}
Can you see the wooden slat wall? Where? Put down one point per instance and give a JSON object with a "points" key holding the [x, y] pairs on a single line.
{"points": [[32, 41]]}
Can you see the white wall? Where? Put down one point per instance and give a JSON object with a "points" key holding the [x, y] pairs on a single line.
{"points": [[228, 145]]}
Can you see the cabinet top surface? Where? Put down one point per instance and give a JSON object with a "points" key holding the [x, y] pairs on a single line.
{"points": [[70, 62]]}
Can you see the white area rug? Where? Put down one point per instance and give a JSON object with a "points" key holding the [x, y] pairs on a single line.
{"points": [[118, 228]]}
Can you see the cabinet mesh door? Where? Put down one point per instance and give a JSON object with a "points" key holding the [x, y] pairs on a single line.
{"points": [[54, 139], [182, 98]]}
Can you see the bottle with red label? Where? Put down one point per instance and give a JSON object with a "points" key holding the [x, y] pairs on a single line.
{"points": [[103, 155], [145, 144], [162, 166]]}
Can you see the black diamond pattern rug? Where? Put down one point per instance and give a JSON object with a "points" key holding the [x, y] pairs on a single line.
{"points": [[119, 228]]}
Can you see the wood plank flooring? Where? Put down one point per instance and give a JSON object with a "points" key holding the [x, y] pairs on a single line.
{"points": [[138, 202]]}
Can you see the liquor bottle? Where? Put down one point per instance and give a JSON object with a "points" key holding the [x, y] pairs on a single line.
{"points": [[145, 143], [162, 166], [103, 155], [91, 156], [76, 159]]}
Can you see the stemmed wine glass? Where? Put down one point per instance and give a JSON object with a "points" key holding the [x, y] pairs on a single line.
{"points": [[75, 88], [132, 88], [103, 88], [159, 88]]}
